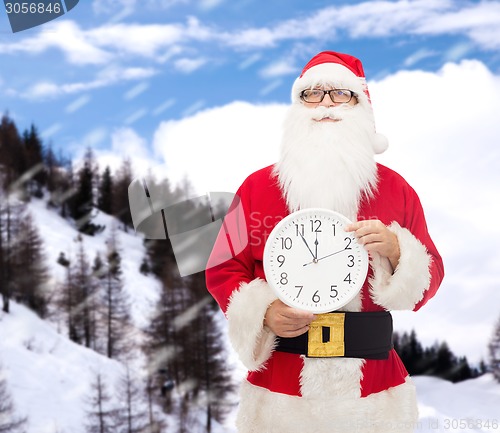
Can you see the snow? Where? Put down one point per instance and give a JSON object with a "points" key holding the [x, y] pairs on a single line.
{"points": [[49, 376], [472, 405], [59, 235]]}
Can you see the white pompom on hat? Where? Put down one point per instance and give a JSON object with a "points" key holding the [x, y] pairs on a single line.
{"points": [[340, 71]]}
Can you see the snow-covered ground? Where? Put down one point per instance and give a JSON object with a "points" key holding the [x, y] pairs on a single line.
{"points": [[49, 376], [469, 406]]}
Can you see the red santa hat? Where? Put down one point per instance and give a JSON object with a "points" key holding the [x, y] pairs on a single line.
{"points": [[340, 71]]}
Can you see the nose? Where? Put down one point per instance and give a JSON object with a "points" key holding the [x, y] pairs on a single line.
{"points": [[327, 101]]}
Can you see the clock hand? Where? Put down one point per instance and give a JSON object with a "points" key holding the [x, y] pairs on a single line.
{"points": [[324, 257], [316, 243], [304, 239]]}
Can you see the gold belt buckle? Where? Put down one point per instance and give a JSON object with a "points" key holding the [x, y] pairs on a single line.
{"points": [[316, 347]]}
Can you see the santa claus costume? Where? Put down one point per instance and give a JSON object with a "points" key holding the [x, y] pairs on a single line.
{"points": [[329, 165]]}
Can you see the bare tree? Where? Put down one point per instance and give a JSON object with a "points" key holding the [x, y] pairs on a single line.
{"points": [[494, 352], [9, 421], [101, 415], [132, 415], [78, 297], [10, 216]]}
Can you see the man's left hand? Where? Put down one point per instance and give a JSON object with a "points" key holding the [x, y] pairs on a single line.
{"points": [[376, 237]]}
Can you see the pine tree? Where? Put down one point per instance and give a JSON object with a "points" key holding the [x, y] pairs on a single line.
{"points": [[60, 182], [9, 421], [30, 271], [12, 155], [101, 415], [437, 360], [116, 307], [210, 369], [33, 149], [83, 201], [51, 167], [494, 352], [105, 199], [4, 290], [445, 361], [122, 180]]}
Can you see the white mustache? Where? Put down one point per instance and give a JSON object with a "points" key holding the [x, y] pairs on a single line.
{"points": [[336, 113]]}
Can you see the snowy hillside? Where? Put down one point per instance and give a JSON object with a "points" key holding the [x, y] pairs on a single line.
{"points": [[49, 376], [469, 406], [59, 235]]}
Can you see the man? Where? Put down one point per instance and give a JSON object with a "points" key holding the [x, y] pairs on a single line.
{"points": [[327, 161]]}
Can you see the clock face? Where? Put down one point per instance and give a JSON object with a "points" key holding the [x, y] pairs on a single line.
{"points": [[312, 263]]}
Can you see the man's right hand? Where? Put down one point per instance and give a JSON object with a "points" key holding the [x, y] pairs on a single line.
{"points": [[286, 321]]}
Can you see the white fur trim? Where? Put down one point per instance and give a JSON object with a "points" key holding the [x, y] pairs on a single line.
{"points": [[334, 75], [380, 143], [322, 378], [252, 341], [390, 411], [404, 288]]}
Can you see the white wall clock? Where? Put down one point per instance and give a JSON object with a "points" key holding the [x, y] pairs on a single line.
{"points": [[312, 263]]}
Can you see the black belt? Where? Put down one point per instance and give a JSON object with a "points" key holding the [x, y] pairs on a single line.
{"points": [[365, 335]]}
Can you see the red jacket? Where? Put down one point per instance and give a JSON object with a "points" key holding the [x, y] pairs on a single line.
{"points": [[261, 207]]}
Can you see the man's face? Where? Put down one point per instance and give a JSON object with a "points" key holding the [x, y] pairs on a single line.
{"points": [[327, 97]]}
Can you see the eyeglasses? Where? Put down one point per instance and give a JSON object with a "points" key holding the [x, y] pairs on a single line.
{"points": [[340, 96]]}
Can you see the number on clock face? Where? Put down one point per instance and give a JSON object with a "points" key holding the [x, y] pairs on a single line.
{"points": [[312, 263]]}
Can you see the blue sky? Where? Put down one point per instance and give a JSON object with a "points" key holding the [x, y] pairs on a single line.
{"points": [[109, 64]]}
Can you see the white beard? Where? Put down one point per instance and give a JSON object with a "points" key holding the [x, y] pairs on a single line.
{"points": [[327, 164]]}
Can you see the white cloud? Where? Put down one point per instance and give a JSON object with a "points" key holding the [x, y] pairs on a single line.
{"points": [[64, 35], [77, 104], [135, 116], [94, 138], [417, 56], [100, 45], [163, 106], [210, 4], [278, 68], [371, 19], [108, 76], [136, 91], [443, 131], [163, 42], [127, 144], [112, 6], [118, 6], [478, 21], [270, 87], [51, 130], [249, 61], [218, 148], [458, 51], [189, 65]]}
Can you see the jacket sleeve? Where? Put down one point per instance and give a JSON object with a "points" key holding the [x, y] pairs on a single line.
{"points": [[420, 270], [243, 298]]}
